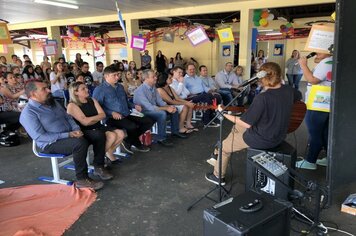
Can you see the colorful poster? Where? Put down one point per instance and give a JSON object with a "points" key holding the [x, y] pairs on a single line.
{"points": [[225, 35], [319, 98], [197, 36], [278, 50], [138, 43], [226, 50], [5, 37]]}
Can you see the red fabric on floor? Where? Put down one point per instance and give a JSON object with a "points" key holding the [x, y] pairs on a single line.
{"points": [[48, 209]]}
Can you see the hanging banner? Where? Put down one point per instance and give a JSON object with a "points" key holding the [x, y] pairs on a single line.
{"points": [[197, 36], [5, 37], [225, 35], [138, 43]]}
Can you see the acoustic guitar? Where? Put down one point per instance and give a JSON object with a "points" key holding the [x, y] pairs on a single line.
{"points": [[296, 118]]}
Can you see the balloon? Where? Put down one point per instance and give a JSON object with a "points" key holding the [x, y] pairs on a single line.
{"points": [[258, 11], [263, 22], [76, 34], [257, 23], [256, 17], [289, 25], [74, 38], [270, 16], [76, 28], [71, 30], [264, 14]]}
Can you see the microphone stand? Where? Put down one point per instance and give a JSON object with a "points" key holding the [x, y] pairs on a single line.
{"points": [[223, 192]]}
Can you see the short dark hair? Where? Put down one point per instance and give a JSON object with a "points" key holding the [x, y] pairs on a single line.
{"points": [[202, 66], [98, 63], [13, 55], [84, 63], [110, 69], [176, 68]]}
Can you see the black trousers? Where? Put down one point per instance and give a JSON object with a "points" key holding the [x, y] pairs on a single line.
{"points": [[78, 147], [134, 126], [97, 138], [11, 119]]}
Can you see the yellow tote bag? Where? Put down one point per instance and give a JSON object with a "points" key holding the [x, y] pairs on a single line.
{"points": [[319, 98]]}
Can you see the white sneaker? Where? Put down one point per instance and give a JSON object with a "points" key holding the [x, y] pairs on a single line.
{"points": [[213, 125], [211, 161], [304, 164], [322, 162]]}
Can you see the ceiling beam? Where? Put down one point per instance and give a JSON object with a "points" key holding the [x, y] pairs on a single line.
{"points": [[201, 9]]}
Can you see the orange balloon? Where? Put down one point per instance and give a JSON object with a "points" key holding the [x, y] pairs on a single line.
{"points": [[264, 14]]}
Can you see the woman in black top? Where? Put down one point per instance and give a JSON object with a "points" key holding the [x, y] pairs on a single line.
{"points": [[161, 62], [88, 113], [184, 107]]}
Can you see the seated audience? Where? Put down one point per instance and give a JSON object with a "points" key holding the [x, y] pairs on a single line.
{"points": [[88, 114], [227, 83], [56, 132], [154, 107], [130, 83], [113, 99], [98, 73], [58, 80], [11, 92], [199, 93], [184, 107]]}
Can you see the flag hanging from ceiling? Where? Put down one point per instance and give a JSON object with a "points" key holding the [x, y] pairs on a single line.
{"points": [[121, 21]]}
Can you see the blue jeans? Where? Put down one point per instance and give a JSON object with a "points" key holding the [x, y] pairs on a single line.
{"points": [[161, 118], [294, 79], [226, 95], [318, 126]]}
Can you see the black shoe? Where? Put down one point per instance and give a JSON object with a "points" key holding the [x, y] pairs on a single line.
{"points": [[140, 148], [127, 147], [89, 183], [215, 180], [110, 162], [165, 143], [102, 173], [178, 135]]}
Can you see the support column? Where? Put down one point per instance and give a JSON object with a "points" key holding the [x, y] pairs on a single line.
{"points": [[246, 22], [53, 32], [132, 28]]}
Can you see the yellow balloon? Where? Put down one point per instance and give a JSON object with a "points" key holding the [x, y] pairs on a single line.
{"points": [[76, 28], [74, 38], [263, 21]]}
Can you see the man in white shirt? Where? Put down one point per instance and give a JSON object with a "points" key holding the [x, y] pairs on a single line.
{"points": [[98, 74]]}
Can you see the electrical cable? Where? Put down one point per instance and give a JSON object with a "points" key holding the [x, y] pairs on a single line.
{"points": [[341, 231]]}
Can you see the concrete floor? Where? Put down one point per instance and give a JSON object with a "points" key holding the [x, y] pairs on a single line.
{"points": [[151, 191]]}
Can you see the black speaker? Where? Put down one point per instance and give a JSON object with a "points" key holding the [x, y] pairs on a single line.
{"points": [[255, 179], [272, 217]]}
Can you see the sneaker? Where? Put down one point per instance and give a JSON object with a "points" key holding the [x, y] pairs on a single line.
{"points": [[304, 164], [165, 142], [140, 148], [102, 173], [126, 147], [89, 183], [178, 135], [212, 160], [322, 162], [215, 180], [213, 125]]}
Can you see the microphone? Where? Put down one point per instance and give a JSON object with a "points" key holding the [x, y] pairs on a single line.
{"points": [[259, 75], [310, 55]]}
